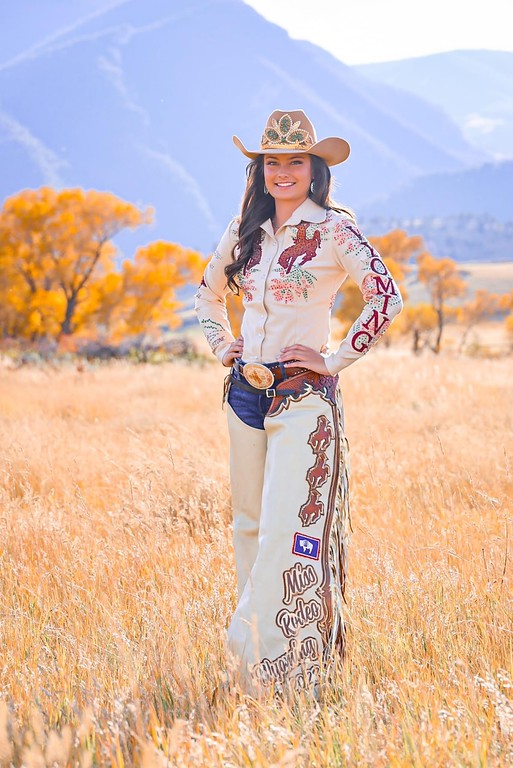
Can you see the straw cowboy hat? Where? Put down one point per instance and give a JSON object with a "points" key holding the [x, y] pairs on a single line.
{"points": [[292, 132]]}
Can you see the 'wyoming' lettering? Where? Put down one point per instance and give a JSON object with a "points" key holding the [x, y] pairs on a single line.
{"points": [[382, 287], [269, 670], [374, 318]]}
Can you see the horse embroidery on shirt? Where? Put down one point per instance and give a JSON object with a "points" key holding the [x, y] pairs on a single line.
{"points": [[303, 246]]}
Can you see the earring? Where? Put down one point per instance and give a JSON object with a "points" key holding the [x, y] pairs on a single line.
{"points": [[312, 187], [266, 191]]}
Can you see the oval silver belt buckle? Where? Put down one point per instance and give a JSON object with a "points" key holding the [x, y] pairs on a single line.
{"points": [[258, 375]]}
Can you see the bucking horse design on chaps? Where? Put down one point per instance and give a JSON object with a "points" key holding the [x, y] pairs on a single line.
{"points": [[322, 436], [318, 474]]}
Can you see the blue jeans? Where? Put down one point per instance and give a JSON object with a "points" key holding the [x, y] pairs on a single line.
{"points": [[251, 408]]}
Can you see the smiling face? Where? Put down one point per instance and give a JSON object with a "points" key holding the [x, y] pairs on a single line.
{"points": [[288, 177]]}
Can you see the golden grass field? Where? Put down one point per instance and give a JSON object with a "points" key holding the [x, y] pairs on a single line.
{"points": [[117, 574]]}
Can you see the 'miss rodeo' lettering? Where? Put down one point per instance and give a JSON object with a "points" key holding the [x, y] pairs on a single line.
{"points": [[290, 622], [297, 580]]}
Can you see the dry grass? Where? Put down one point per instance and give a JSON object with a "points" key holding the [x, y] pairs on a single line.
{"points": [[117, 573]]}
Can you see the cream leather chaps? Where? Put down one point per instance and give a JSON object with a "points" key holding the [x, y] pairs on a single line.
{"points": [[290, 501]]}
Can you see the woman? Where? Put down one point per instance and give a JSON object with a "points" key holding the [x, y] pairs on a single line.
{"points": [[289, 252]]}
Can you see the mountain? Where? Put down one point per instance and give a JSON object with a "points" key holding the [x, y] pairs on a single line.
{"points": [[24, 25], [474, 88], [477, 238], [484, 190], [141, 97]]}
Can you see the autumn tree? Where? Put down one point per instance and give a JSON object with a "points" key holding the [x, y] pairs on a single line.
{"points": [[149, 284], [28, 303], [443, 281], [99, 313], [506, 302], [483, 305], [53, 244], [506, 306], [419, 320], [397, 249]]}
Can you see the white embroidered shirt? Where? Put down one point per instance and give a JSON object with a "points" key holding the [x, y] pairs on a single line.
{"points": [[289, 287]]}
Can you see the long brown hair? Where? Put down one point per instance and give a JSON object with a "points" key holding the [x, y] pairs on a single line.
{"points": [[257, 207]]}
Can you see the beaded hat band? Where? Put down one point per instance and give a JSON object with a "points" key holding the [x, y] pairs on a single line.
{"points": [[292, 132]]}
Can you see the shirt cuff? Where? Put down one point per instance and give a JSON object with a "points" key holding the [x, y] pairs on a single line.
{"points": [[334, 365], [221, 350]]}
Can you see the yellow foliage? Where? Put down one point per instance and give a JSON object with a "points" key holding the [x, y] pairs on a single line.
{"points": [[443, 281], [58, 274], [441, 277], [235, 312], [397, 248], [351, 305], [98, 315], [418, 320], [483, 305], [506, 302], [142, 298], [53, 245], [397, 245], [419, 317]]}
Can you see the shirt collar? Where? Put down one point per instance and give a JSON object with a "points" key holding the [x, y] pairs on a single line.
{"points": [[307, 211]]}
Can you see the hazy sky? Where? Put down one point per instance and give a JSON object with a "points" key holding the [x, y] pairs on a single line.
{"points": [[363, 31]]}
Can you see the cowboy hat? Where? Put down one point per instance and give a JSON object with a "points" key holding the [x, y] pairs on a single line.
{"points": [[292, 132]]}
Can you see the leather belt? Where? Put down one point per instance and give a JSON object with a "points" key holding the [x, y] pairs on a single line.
{"points": [[242, 384], [263, 377]]}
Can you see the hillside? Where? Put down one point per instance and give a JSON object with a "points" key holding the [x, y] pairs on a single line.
{"points": [[141, 98], [462, 237], [474, 88], [486, 190]]}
